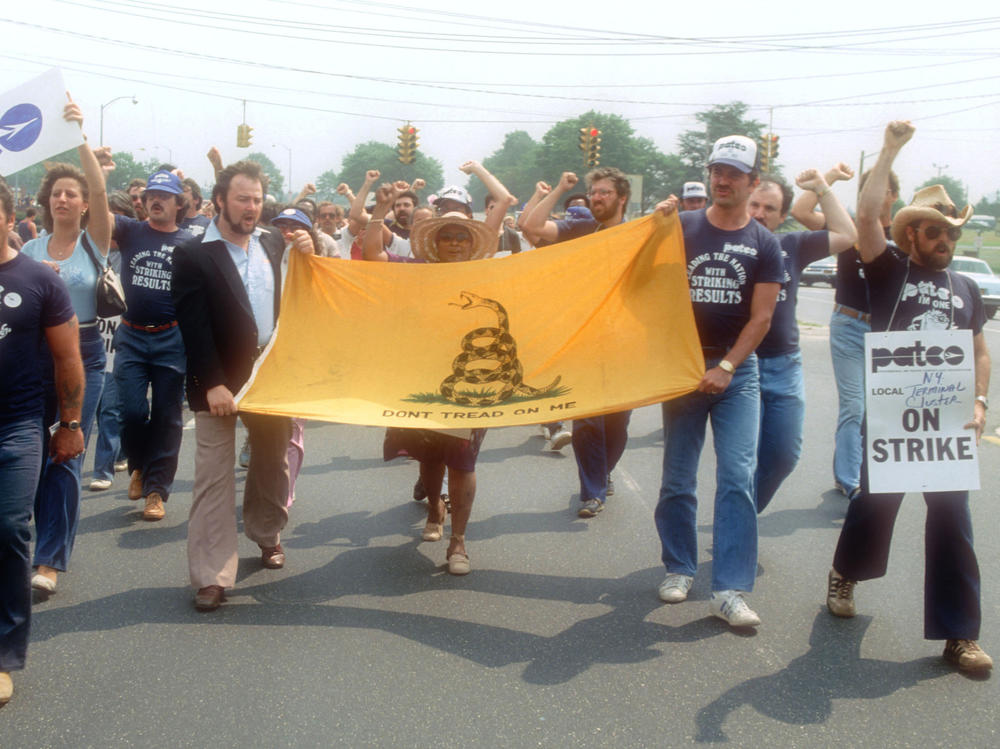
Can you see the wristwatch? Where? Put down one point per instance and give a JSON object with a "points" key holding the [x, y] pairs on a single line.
{"points": [[984, 400], [71, 425], [726, 366]]}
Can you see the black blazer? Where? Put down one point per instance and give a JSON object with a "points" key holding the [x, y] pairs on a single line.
{"points": [[214, 314]]}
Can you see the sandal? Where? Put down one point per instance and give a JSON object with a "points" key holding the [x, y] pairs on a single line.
{"points": [[433, 531], [458, 561]]}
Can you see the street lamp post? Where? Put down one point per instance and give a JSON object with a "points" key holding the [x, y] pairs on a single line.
{"points": [[108, 104]]}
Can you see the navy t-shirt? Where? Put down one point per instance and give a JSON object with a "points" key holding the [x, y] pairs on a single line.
{"points": [[927, 299], [574, 228], [852, 290], [32, 298], [798, 249], [196, 225], [147, 265], [723, 267]]}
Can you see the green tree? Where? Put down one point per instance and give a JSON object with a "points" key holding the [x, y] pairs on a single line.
{"points": [[989, 206], [276, 181], [127, 168], [560, 152], [326, 187], [954, 188], [694, 146], [29, 179], [514, 164], [375, 155]]}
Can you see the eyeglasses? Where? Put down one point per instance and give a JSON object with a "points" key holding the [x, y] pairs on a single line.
{"points": [[601, 192], [327, 215], [934, 231]]}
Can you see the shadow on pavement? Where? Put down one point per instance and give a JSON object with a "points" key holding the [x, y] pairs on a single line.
{"points": [[304, 600], [802, 693]]}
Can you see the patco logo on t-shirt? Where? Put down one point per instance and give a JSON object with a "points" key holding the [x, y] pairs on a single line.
{"points": [[740, 249]]}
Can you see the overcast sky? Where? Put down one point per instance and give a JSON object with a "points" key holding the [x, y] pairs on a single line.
{"points": [[320, 77]]}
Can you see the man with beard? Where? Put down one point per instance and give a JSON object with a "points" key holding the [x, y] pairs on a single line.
{"points": [[227, 290], [148, 345], [598, 441], [734, 273], [779, 359], [926, 231]]}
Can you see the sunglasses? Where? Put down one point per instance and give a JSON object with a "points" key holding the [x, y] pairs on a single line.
{"points": [[327, 215], [933, 232], [458, 236]]}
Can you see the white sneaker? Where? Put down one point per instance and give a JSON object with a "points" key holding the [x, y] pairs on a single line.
{"points": [[99, 485], [729, 605], [559, 440], [675, 587]]}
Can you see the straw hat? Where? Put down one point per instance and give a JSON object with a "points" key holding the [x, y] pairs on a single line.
{"points": [[422, 238], [930, 204]]}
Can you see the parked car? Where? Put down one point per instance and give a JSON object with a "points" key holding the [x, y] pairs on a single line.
{"points": [[980, 272], [822, 271]]}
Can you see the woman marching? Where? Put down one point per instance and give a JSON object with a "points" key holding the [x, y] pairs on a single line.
{"points": [[452, 237], [78, 234]]}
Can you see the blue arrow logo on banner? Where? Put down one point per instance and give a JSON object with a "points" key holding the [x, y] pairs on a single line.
{"points": [[20, 126]]}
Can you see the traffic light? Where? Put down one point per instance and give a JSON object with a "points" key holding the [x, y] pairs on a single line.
{"points": [[768, 147], [594, 146], [585, 139], [407, 148], [243, 137]]}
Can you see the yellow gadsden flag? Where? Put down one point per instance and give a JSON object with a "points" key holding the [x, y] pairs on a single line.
{"points": [[595, 325]]}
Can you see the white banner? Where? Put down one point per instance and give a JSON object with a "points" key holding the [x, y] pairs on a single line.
{"points": [[32, 127], [108, 326], [920, 389]]}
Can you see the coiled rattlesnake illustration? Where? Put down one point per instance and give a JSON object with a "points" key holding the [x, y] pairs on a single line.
{"points": [[488, 344]]}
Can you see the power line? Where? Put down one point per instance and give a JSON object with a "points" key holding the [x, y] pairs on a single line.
{"points": [[729, 45]]}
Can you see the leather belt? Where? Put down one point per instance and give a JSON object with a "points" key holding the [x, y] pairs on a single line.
{"points": [[851, 312], [150, 328]]}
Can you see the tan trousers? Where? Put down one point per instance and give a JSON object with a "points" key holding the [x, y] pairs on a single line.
{"points": [[212, 557]]}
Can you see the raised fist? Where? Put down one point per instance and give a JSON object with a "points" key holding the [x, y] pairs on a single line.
{"points": [[839, 173], [568, 181], [898, 132]]}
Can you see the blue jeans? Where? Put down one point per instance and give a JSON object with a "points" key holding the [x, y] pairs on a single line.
{"points": [[108, 450], [20, 463], [847, 349], [735, 416], [598, 444], [57, 502], [151, 432], [782, 415]]}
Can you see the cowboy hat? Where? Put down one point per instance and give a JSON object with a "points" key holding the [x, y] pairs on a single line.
{"points": [[424, 234], [930, 204]]}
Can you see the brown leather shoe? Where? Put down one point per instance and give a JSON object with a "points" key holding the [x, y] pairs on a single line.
{"points": [[135, 485], [209, 598], [272, 557], [154, 507]]}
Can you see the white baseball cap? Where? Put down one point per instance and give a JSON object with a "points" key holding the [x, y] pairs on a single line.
{"points": [[737, 151], [694, 190]]}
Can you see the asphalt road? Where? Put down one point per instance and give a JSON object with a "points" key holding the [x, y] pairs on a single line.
{"points": [[556, 639]]}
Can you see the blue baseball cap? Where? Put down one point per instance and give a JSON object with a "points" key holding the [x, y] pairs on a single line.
{"points": [[294, 214], [165, 181]]}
